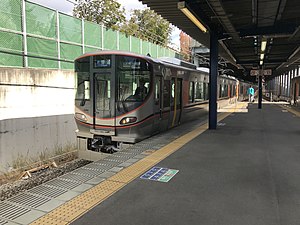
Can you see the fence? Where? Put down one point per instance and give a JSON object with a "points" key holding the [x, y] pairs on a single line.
{"points": [[38, 37]]}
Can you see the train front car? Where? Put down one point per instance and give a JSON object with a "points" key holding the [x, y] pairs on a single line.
{"points": [[112, 103]]}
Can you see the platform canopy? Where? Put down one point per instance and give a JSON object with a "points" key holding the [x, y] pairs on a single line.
{"points": [[252, 34]]}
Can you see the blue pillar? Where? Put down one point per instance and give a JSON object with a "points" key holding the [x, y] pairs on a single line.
{"points": [[212, 123]]}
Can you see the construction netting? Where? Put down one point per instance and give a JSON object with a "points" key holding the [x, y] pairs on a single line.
{"points": [[35, 36]]}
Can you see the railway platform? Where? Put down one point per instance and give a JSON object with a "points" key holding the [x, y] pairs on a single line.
{"points": [[244, 172]]}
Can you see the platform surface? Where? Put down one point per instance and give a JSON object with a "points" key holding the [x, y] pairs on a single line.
{"points": [[244, 173]]}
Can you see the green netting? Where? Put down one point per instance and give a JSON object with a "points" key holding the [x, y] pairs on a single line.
{"points": [[135, 45], [10, 43], [10, 14], [145, 48], [40, 20], [89, 49], [69, 52], [124, 42], [153, 50], [11, 60], [92, 34], [161, 51], [42, 48], [70, 29], [67, 66], [110, 39]]}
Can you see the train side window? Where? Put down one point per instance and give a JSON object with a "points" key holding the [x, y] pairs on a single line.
{"points": [[199, 92], [192, 92], [157, 90], [166, 93], [172, 91]]}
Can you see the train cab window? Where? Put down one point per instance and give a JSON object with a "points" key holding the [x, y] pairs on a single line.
{"points": [[83, 88], [191, 92], [133, 76]]}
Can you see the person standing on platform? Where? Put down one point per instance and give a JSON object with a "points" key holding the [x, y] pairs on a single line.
{"points": [[251, 93]]}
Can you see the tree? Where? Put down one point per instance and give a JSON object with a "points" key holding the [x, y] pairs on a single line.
{"points": [[147, 25], [106, 12]]}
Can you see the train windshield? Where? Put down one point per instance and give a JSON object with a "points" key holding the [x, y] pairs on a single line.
{"points": [[133, 76]]}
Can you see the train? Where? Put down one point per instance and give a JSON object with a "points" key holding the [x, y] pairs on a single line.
{"points": [[123, 97]]}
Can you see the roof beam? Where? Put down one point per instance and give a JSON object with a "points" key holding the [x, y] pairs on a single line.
{"points": [[270, 31]]}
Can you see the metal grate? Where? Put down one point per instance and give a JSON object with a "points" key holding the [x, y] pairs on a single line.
{"points": [[67, 185], [74, 178], [87, 173], [126, 154], [47, 191], [11, 212], [28, 199], [98, 167], [117, 160], [106, 163], [2, 222]]}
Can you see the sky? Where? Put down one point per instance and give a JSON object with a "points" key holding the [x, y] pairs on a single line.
{"points": [[66, 6]]}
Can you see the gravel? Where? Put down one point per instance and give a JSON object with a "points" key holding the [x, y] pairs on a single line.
{"points": [[10, 189]]}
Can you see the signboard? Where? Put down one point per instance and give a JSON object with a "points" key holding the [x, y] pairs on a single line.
{"points": [[261, 72], [254, 72], [267, 72], [159, 174]]}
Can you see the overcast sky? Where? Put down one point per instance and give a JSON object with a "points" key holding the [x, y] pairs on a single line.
{"points": [[67, 7]]}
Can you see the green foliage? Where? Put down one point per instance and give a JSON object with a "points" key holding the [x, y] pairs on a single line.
{"points": [[106, 12], [147, 25]]}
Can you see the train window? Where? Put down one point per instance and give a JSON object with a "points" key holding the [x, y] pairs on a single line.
{"points": [[199, 92], [133, 78], [102, 91], [157, 90], [205, 91], [83, 87], [172, 91], [166, 93], [191, 91]]}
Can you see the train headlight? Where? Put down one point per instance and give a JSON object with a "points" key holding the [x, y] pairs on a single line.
{"points": [[80, 117], [127, 120]]}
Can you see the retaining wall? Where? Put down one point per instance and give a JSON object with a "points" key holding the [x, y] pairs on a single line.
{"points": [[36, 113]]}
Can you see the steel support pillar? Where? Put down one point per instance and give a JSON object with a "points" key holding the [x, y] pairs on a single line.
{"points": [[212, 123], [259, 92]]}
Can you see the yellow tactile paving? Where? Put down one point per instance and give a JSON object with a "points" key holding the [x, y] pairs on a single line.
{"points": [[79, 205], [295, 112]]}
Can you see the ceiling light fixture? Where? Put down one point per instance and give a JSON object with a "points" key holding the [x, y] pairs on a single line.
{"points": [[262, 56], [261, 62], [183, 7], [263, 45]]}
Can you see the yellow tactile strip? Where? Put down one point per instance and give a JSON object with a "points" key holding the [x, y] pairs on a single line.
{"points": [[81, 204], [297, 113]]}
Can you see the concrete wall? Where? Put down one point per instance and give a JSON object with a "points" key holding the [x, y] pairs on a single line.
{"points": [[36, 112]]}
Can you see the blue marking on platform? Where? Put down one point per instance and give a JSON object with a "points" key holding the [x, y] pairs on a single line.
{"points": [[159, 174]]}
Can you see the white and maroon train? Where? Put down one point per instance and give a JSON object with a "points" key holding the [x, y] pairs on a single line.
{"points": [[124, 97]]}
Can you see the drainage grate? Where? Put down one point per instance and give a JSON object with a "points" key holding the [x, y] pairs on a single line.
{"points": [[126, 154], [28, 199], [87, 173], [11, 212], [74, 178], [47, 191], [99, 165], [117, 160], [62, 184], [2, 222]]}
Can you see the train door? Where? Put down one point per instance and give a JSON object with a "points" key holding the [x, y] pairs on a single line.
{"points": [[175, 102], [157, 104], [103, 104]]}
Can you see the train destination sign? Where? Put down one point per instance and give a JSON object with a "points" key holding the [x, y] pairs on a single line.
{"points": [[159, 174], [261, 72]]}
